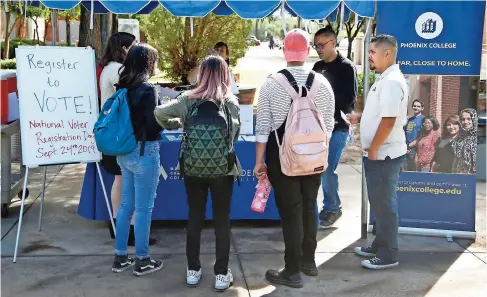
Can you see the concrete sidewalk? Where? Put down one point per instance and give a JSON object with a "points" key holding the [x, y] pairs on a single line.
{"points": [[72, 256]]}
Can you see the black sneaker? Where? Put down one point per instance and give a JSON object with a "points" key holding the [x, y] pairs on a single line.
{"points": [[309, 268], [146, 265], [377, 264], [280, 278], [365, 251], [329, 219], [121, 263]]}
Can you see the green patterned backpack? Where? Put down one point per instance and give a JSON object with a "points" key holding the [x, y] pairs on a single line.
{"points": [[207, 149]]}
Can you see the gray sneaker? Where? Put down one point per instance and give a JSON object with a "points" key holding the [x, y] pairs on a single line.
{"points": [[121, 263], [146, 265], [329, 219], [365, 251], [377, 264]]}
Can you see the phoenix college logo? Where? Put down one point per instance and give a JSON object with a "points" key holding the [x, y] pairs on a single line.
{"points": [[429, 25]]}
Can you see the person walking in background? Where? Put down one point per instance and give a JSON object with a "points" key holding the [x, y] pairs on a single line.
{"points": [[111, 62], [342, 75], [193, 108], [413, 129], [465, 145], [140, 168], [295, 196], [384, 144], [444, 152], [426, 143]]}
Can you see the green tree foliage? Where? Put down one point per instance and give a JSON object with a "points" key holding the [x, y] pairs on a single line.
{"points": [[34, 13], [11, 11], [179, 52]]}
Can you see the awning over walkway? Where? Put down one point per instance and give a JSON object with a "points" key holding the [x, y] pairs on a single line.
{"points": [[247, 9]]}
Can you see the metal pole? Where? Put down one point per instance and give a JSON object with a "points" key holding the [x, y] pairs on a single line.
{"points": [[365, 200], [106, 198], [42, 198], [54, 26], [21, 215]]}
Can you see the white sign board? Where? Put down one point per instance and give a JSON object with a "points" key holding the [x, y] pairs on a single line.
{"points": [[58, 104], [246, 119]]}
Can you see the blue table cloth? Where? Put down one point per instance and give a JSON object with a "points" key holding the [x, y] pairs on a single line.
{"points": [[170, 203]]}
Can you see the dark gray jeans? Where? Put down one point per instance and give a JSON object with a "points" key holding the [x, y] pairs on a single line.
{"points": [[382, 177]]}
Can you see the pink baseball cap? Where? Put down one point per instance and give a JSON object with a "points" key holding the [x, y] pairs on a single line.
{"points": [[296, 46]]}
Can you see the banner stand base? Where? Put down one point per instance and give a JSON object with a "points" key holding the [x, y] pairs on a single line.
{"points": [[449, 234]]}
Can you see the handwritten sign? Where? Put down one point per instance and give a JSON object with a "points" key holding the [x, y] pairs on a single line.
{"points": [[58, 104]]}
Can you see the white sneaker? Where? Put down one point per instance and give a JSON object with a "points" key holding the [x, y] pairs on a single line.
{"points": [[193, 277], [223, 282]]}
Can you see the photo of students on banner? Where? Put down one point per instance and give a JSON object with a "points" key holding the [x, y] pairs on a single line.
{"points": [[441, 131]]}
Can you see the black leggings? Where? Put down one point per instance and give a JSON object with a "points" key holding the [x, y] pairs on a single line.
{"points": [[221, 196]]}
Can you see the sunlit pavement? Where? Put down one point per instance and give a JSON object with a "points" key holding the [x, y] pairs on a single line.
{"points": [[72, 256]]}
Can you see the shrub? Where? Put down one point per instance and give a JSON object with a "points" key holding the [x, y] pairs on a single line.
{"points": [[179, 52], [14, 43], [360, 82], [8, 64]]}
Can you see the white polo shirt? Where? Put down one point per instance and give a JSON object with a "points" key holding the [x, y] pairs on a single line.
{"points": [[387, 98]]}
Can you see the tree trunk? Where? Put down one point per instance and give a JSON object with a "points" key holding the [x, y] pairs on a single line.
{"points": [[68, 30], [84, 28], [257, 29], [8, 31], [6, 43], [46, 27], [88, 37], [299, 23], [349, 50], [114, 23], [36, 30], [106, 28]]}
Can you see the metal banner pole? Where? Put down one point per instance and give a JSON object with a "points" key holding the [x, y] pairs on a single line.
{"points": [[365, 198], [106, 198], [21, 215], [42, 198]]}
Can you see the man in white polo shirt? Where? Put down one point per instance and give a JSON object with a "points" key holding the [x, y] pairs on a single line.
{"points": [[384, 145]]}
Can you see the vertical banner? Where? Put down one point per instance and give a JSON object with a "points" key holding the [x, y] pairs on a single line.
{"points": [[439, 51], [435, 37]]}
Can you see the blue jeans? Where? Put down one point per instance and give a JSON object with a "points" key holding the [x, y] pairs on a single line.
{"points": [[140, 177], [329, 179], [382, 177]]}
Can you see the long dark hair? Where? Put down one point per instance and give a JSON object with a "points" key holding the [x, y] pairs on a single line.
{"points": [[139, 66], [114, 50], [223, 44], [455, 120]]}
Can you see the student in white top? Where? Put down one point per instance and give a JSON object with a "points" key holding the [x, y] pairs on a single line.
{"points": [[384, 145], [114, 55]]}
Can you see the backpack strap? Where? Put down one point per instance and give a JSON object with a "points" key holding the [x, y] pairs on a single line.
{"points": [[300, 90], [314, 85], [290, 79], [310, 80]]}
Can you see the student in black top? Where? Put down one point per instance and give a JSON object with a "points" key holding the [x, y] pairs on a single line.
{"points": [[445, 151], [140, 168], [342, 75]]}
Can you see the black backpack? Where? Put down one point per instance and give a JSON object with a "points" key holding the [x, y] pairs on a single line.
{"points": [[207, 149]]}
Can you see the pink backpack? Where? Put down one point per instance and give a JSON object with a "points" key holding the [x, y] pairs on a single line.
{"points": [[304, 149]]}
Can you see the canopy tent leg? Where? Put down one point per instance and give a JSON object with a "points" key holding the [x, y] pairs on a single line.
{"points": [[365, 198], [54, 26]]}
